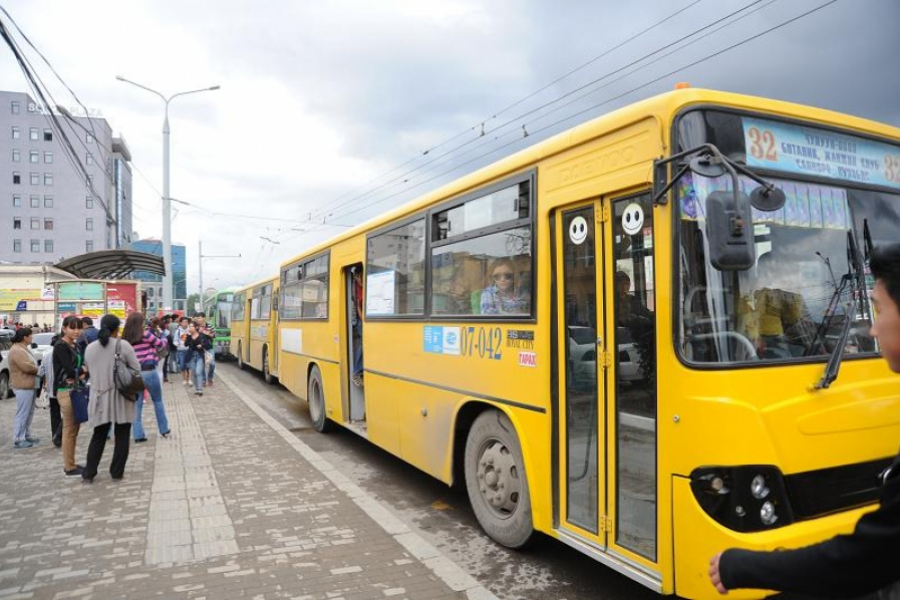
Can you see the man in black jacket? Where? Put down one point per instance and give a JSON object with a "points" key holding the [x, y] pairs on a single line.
{"points": [[846, 566]]}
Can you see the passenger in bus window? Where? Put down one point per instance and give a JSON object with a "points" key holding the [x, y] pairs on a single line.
{"points": [[852, 565], [767, 315], [503, 296]]}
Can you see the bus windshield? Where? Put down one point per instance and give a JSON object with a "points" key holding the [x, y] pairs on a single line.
{"points": [[792, 304]]}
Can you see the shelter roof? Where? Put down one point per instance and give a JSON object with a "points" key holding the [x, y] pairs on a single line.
{"points": [[112, 264]]}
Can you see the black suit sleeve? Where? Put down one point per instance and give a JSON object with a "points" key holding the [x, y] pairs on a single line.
{"points": [[846, 566]]}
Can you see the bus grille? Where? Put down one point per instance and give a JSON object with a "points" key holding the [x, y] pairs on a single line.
{"points": [[817, 493]]}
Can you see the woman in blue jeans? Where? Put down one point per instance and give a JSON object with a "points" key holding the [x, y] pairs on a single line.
{"points": [[146, 345]]}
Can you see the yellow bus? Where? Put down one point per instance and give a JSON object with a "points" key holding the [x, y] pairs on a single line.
{"points": [[254, 327], [646, 337]]}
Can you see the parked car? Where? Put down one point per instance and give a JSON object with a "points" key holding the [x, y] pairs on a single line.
{"points": [[37, 350], [583, 356]]}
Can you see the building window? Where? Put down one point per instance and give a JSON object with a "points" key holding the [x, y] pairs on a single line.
{"points": [[48, 223], [17, 178], [34, 156], [88, 138], [35, 178], [35, 222], [48, 201], [17, 200], [34, 201], [16, 133], [48, 157], [48, 178], [33, 134], [48, 245], [35, 245], [17, 246], [48, 135], [150, 292], [17, 223], [89, 224], [90, 180], [88, 202], [89, 246], [15, 107], [17, 155], [89, 158]]}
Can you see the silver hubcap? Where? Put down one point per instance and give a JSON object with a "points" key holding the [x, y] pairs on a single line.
{"points": [[498, 479]]}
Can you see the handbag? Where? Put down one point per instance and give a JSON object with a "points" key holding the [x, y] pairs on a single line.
{"points": [[42, 400], [127, 380], [80, 397]]}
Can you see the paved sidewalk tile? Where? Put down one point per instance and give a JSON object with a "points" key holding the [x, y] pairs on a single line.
{"points": [[230, 505]]}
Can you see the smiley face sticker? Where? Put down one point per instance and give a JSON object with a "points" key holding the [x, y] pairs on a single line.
{"points": [[633, 218], [578, 230]]}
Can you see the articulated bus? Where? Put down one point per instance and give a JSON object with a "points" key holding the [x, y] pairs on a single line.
{"points": [[647, 336], [218, 308], [254, 326]]}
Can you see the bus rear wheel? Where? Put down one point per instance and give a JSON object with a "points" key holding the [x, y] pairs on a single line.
{"points": [[316, 398], [267, 373], [240, 357], [496, 480]]}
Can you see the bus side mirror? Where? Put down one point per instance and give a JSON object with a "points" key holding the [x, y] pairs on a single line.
{"points": [[729, 231]]}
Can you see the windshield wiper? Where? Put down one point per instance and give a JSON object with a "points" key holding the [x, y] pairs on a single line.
{"points": [[855, 279]]}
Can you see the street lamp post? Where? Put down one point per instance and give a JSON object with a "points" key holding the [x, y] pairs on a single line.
{"points": [[167, 200]]}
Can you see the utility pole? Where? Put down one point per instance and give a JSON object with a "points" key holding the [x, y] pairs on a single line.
{"points": [[200, 257]]}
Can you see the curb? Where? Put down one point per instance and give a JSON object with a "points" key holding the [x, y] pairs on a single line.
{"points": [[443, 568]]}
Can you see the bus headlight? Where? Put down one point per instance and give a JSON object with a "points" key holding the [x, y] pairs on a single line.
{"points": [[747, 498]]}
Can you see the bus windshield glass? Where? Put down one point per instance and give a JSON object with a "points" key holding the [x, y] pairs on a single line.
{"points": [[793, 303]]}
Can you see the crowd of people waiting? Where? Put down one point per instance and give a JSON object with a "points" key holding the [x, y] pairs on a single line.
{"points": [[82, 357]]}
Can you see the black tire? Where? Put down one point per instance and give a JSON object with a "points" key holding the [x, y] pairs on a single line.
{"points": [[240, 357], [496, 480], [5, 390], [315, 396], [267, 373]]}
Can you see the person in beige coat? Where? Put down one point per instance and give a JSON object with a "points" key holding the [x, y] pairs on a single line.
{"points": [[23, 370], [108, 407]]}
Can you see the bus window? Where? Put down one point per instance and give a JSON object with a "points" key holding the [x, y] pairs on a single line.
{"points": [[395, 273]]}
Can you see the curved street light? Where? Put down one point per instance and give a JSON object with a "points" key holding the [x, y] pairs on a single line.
{"points": [[167, 201]]}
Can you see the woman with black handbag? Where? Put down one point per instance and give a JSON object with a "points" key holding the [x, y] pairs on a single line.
{"points": [[110, 365]]}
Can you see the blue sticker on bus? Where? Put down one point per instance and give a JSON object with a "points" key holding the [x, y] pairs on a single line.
{"points": [[441, 340]]}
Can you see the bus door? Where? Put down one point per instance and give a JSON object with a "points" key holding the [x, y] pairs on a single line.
{"points": [[607, 395], [353, 339]]}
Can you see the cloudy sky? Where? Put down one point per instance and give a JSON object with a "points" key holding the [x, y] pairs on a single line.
{"points": [[321, 102]]}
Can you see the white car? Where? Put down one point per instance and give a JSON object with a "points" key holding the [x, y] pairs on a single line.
{"points": [[37, 350], [582, 359]]}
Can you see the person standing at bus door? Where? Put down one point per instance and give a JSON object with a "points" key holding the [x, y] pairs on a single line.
{"points": [[146, 344], [181, 349], [502, 296], [23, 371], [852, 565], [108, 408], [197, 346], [210, 370], [357, 326], [67, 370]]}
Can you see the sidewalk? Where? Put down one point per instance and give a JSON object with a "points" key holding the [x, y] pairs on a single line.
{"points": [[231, 505]]}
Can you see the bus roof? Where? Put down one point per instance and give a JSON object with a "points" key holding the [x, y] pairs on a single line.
{"points": [[662, 107], [270, 279]]}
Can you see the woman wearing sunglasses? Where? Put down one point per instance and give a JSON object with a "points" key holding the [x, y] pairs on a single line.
{"points": [[503, 296]]}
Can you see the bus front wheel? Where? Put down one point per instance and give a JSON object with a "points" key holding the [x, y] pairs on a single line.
{"points": [[316, 399], [496, 481]]}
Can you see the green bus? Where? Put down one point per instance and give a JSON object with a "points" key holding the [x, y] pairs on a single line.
{"points": [[218, 314]]}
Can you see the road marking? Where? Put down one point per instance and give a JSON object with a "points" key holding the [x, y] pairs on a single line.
{"points": [[443, 568]]}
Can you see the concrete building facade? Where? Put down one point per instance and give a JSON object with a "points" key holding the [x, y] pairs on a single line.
{"points": [[50, 212]]}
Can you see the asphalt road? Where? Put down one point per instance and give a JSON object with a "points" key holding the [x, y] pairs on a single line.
{"points": [[547, 569]]}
